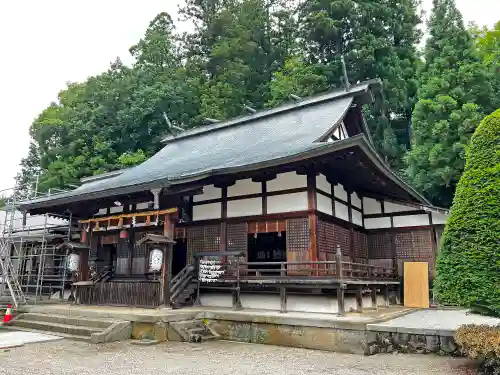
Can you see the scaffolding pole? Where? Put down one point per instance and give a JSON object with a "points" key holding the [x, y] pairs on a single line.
{"points": [[30, 263]]}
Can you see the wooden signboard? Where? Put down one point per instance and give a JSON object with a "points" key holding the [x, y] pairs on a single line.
{"points": [[416, 284]]}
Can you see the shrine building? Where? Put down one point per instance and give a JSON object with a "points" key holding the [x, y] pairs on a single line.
{"points": [[280, 191]]}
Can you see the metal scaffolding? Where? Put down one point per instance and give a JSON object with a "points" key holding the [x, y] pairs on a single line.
{"points": [[31, 264]]}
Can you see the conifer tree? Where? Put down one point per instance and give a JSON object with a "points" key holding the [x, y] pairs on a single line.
{"points": [[454, 94]]}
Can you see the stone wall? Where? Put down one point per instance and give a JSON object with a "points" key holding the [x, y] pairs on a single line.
{"points": [[389, 342], [322, 338]]}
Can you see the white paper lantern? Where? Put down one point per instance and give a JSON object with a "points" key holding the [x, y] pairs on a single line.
{"points": [[155, 260], [73, 262]]}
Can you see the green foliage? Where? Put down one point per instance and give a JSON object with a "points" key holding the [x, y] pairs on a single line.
{"points": [[129, 159], [481, 342], [2, 202], [298, 78], [378, 40], [257, 53], [454, 94], [487, 42], [468, 265]]}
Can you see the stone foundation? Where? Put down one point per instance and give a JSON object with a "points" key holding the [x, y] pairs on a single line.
{"points": [[389, 342]]}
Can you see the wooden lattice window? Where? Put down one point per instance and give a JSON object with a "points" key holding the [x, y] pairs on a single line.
{"points": [[202, 239], [414, 245], [297, 232], [341, 237], [360, 245], [380, 246], [237, 237]]}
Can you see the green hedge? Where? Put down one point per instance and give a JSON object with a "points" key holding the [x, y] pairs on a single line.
{"points": [[468, 265]]}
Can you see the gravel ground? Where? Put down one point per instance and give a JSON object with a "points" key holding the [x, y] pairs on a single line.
{"points": [[212, 358]]}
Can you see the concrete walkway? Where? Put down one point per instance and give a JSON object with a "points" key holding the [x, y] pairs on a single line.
{"points": [[432, 322], [11, 339]]}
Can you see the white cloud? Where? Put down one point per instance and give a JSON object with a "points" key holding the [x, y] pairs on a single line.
{"points": [[48, 43]]}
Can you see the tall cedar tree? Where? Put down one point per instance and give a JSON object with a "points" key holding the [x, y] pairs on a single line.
{"points": [[454, 95], [240, 43], [468, 266], [376, 44]]}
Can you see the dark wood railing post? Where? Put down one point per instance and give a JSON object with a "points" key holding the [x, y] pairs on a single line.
{"points": [[338, 263], [197, 301]]}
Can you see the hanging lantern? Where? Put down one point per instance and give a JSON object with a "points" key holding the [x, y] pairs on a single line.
{"points": [[73, 262], [155, 260], [123, 234]]}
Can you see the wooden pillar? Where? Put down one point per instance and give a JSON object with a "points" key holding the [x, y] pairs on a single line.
{"points": [[312, 207], [223, 225], [84, 265], [283, 308], [359, 299], [340, 299], [373, 293], [168, 231], [386, 296]]}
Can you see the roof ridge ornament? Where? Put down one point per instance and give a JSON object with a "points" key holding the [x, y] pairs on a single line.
{"points": [[170, 125], [250, 109], [344, 72]]}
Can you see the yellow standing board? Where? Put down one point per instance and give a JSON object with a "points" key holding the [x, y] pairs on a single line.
{"points": [[416, 284]]}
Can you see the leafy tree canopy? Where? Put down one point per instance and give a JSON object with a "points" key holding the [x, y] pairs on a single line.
{"points": [[257, 53], [454, 94]]}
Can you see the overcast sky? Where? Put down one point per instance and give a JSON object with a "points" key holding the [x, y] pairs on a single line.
{"points": [[45, 44]]}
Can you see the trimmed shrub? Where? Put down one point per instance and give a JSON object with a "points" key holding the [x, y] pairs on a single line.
{"points": [[468, 265], [481, 342]]}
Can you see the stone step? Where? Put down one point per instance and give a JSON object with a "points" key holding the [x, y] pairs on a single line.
{"points": [[55, 328], [67, 320]]}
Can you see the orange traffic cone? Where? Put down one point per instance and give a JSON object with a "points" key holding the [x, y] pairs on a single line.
{"points": [[8, 314]]}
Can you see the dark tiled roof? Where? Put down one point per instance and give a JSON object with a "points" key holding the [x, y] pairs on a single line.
{"points": [[273, 135]]}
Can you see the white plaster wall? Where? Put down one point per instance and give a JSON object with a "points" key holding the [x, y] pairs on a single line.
{"points": [[287, 203], [379, 222], [355, 201], [244, 187], [438, 218], [289, 180], [102, 211], [322, 184], [117, 209], [142, 206], [410, 220], [209, 192], [357, 217], [244, 207], [341, 211], [295, 303], [395, 207], [371, 206], [324, 204], [339, 192], [207, 211]]}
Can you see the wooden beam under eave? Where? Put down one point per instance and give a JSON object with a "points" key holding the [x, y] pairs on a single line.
{"points": [[264, 177]]}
